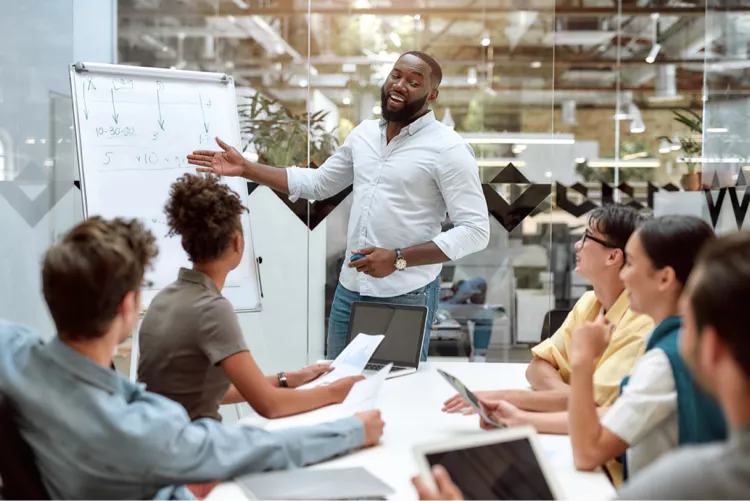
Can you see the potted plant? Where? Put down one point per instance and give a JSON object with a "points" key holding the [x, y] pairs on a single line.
{"points": [[691, 148], [280, 137], [607, 175]]}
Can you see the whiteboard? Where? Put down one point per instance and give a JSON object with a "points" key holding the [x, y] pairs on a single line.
{"points": [[134, 128]]}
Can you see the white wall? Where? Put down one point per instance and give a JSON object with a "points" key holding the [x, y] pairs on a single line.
{"points": [[41, 38]]}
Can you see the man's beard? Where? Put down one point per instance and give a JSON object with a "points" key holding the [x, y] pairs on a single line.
{"points": [[405, 113]]}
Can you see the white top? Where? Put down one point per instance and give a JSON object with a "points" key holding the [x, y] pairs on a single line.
{"points": [[402, 191], [645, 415], [411, 408]]}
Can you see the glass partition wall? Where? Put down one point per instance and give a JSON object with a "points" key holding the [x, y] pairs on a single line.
{"points": [[567, 105]]}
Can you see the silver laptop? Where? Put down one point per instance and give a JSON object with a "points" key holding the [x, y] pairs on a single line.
{"points": [[403, 327]]}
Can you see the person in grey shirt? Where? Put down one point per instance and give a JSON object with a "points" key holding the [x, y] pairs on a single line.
{"points": [[192, 348], [97, 435], [714, 345]]}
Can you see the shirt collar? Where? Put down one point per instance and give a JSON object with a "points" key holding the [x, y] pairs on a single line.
{"points": [[84, 368], [197, 277], [417, 125], [618, 310]]}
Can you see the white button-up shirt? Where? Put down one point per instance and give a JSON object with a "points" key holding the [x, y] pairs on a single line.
{"points": [[645, 415], [402, 191]]}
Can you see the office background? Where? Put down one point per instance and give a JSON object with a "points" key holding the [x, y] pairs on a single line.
{"points": [[567, 103]]}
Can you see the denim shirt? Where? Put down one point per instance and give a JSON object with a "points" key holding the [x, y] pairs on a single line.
{"points": [[96, 435]]}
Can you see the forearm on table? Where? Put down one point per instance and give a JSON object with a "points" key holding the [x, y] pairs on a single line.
{"points": [[542, 375], [586, 431], [554, 423], [538, 401], [283, 402]]}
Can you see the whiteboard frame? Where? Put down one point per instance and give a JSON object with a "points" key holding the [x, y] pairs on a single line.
{"points": [[166, 74]]}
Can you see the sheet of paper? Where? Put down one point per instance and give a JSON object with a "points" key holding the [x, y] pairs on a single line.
{"points": [[364, 395], [351, 361]]}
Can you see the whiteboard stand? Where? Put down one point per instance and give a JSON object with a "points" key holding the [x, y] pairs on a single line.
{"points": [[134, 128]]}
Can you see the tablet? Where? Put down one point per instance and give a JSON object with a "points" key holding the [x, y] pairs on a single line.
{"points": [[501, 464], [469, 397]]}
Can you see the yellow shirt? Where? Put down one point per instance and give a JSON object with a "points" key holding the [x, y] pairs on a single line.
{"points": [[617, 361]]}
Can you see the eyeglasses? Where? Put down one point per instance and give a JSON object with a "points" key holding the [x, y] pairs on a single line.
{"points": [[603, 243]]}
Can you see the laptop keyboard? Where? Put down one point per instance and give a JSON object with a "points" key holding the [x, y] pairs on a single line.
{"points": [[377, 367]]}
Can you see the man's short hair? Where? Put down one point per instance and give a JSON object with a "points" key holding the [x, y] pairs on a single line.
{"points": [[719, 294], [436, 72], [615, 221], [86, 276]]}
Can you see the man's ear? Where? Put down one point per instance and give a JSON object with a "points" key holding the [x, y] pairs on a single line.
{"points": [[433, 95]]}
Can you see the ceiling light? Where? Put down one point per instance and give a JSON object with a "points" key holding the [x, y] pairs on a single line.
{"points": [[303, 83], [653, 53], [395, 38], [548, 174], [664, 147], [536, 64], [471, 76], [676, 145], [518, 148], [347, 100], [655, 16], [580, 160], [31, 141], [485, 39], [637, 126], [717, 130], [241, 4], [231, 19]]}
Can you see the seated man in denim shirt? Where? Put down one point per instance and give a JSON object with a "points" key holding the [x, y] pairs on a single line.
{"points": [[97, 435]]}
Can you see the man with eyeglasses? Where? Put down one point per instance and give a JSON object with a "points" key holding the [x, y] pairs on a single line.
{"points": [[599, 257]]}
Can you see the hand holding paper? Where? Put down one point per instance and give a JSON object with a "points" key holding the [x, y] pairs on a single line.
{"points": [[351, 361]]}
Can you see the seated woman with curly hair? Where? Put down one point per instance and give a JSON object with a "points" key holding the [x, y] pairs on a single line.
{"points": [[191, 344]]}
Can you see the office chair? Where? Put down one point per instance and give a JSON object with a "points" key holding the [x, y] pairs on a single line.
{"points": [[20, 476], [552, 321]]}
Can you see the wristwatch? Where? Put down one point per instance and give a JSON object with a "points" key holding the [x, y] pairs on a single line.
{"points": [[282, 380], [400, 261]]}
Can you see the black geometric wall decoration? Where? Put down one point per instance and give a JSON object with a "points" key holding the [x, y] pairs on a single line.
{"points": [[563, 202], [511, 215], [303, 209], [714, 209], [741, 178], [653, 189], [740, 209]]}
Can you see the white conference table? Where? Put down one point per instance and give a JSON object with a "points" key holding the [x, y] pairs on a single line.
{"points": [[411, 408]]}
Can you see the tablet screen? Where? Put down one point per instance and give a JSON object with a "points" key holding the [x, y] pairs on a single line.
{"points": [[506, 470]]}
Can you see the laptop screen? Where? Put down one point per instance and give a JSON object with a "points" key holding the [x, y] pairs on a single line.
{"points": [[504, 470], [403, 328]]}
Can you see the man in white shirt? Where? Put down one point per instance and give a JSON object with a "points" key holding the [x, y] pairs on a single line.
{"points": [[407, 170]]}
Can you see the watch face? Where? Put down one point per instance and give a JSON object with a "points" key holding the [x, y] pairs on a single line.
{"points": [[401, 264]]}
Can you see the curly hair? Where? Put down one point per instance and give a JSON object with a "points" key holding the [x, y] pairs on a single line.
{"points": [[205, 212], [86, 276]]}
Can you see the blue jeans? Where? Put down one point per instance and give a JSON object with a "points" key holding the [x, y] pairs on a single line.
{"points": [[341, 310]]}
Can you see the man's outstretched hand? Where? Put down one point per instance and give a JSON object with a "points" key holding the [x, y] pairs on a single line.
{"points": [[228, 162]]}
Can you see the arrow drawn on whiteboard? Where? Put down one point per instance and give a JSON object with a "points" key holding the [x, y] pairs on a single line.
{"points": [[115, 116], [158, 103], [205, 124], [85, 105]]}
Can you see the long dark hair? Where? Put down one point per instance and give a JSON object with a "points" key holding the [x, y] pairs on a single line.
{"points": [[675, 241]]}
